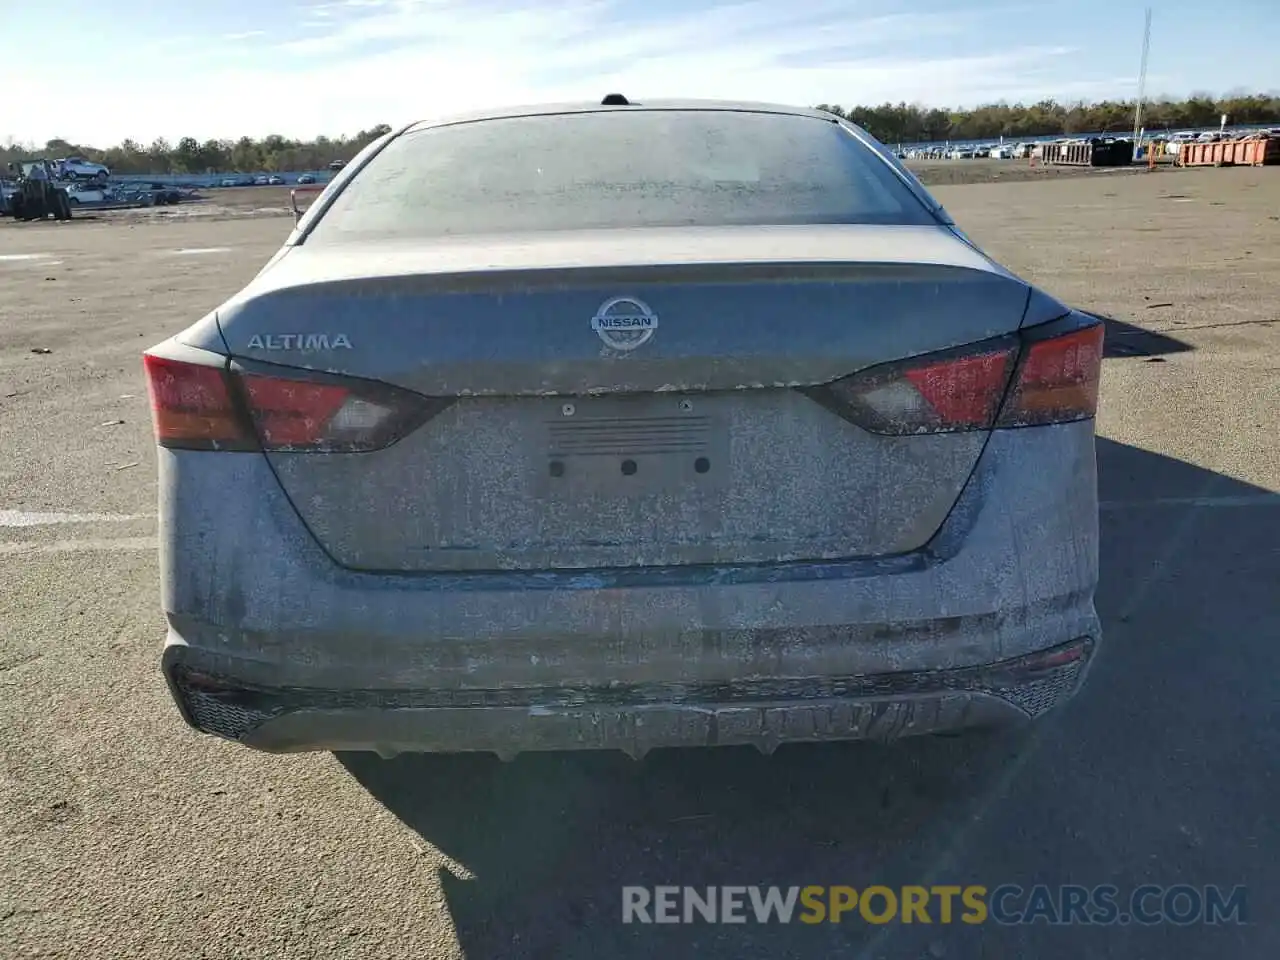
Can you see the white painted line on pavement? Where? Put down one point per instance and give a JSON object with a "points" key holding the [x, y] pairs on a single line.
{"points": [[27, 518], [192, 251], [16, 257], [78, 546]]}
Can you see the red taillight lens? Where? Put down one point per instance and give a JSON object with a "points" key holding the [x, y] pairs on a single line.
{"points": [[963, 392], [323, 416], [192, 406], [1057, 380], [199, 407], [292, 413], [931, 394]]}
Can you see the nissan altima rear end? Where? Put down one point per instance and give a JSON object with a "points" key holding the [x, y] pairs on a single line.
{"points": [[626, 426]]}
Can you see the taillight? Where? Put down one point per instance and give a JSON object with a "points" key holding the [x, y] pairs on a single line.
{"points": [[998, 383], [192, 406], [936, 393], [199, 407], [1057, 380]]}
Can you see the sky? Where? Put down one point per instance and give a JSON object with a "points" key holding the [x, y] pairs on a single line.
{"points": [[230, 68]]}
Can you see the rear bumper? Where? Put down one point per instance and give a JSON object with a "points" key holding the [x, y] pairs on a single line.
{"points": [[296, 653], [763, 714]]}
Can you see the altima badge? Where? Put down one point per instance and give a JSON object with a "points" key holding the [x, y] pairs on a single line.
{"points": [[624, 323], [299, 341]]}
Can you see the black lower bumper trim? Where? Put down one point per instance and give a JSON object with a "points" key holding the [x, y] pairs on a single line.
{"points": [[230, 708]]}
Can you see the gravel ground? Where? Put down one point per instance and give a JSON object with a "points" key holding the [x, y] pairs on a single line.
{"points": [[127, 835], [954, 173]]}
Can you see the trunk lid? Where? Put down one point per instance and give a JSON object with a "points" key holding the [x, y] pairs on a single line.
{"points": [[561, 450]]}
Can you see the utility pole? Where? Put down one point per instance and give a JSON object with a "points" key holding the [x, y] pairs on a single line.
{"points": [[1142, 80]]}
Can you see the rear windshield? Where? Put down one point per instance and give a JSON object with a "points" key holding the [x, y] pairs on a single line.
{"points": [[617, 169]]}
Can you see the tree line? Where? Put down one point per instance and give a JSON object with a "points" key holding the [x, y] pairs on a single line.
{"points": [[189, 155], [890, 123], [909, 123]]}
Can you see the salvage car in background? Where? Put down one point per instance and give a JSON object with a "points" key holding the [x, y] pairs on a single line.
{"points": [[625, 426], [78, 168], [78, 193]]}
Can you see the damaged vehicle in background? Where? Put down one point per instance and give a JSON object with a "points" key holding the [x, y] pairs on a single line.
{"points": [[78, 193], [624, 426], [78, 168]]}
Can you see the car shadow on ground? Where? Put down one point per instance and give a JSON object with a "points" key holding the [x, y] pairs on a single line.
{"points": [[1137, 775], [1126, 340]]}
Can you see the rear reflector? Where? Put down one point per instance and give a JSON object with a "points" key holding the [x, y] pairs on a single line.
{"points": [[999, 383], [1053, 657], [199, 407]]}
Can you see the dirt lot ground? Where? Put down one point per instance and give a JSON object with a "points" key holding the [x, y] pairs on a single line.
{"points": [[127, 835], [953, 173]]}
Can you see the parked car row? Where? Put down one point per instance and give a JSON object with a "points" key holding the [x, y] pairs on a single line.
{"points": [[262, 180], [1170, 143], [248, 180], [995, 151]]}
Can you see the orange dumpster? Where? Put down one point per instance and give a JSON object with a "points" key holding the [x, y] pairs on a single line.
{"points": [[1253, 151], [1258, 151], [1202, 154]]}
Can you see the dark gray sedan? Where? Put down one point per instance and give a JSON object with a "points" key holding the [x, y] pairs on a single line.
{"points": [[624, 426]]}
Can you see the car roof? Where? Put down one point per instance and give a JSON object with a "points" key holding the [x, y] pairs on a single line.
{"points": [[551, 109]]}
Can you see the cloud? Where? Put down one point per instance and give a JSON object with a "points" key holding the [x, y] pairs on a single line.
{"points": [[345, 65], [407, 59]]}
